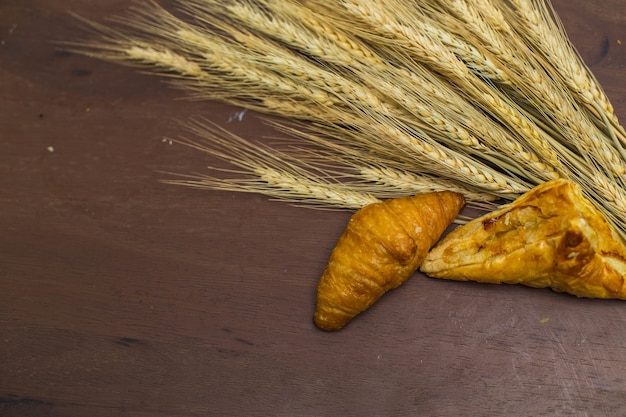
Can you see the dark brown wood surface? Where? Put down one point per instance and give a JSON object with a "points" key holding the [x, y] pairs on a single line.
{"points": [[123, 296]]}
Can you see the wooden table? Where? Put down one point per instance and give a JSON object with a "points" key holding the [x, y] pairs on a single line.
{"points": [[121, 295]]}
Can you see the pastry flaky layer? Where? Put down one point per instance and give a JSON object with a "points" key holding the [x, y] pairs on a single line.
{"points": [[381, 247], [551, 237]]}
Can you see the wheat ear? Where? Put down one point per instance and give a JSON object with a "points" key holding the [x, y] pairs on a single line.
{"points": [[544, 94], [264, 170], [540, 26], [441, 93]]}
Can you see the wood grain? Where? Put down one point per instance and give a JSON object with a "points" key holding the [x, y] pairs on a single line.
{"points": [[120, 295]]}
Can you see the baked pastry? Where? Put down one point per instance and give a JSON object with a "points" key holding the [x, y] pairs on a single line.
{"points": [[381, 247], [551, 237]]}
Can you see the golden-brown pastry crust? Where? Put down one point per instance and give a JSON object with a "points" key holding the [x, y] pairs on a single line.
{"points": [[550, 237], [381, 247]]}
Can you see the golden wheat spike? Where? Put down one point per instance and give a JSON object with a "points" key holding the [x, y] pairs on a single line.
{"points": [[457, 93]]}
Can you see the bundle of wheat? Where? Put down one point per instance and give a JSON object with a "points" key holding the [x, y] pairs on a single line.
{"points": [[483, 97]]}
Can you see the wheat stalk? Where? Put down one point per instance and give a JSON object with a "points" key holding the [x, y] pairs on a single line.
{"points": [[398, 182], [265, 170], [313, 79], [539, 25], [580, 132], [399, 98], [351, 52], [429, 43], [391, 177], [323, 42], [548, 97]]}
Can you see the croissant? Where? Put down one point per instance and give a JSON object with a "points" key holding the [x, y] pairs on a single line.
{"points": [[551, 237], [381, 247]]}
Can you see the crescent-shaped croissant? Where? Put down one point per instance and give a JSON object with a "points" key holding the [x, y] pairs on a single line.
{"points": [[551, 237], [381, 247]]}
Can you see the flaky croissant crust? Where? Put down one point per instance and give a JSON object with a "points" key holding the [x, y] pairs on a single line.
{"points": [[550, 237], [381, 247]]}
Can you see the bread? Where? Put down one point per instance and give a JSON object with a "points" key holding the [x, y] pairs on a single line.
{"points": [[381, 247], [550, 237]]}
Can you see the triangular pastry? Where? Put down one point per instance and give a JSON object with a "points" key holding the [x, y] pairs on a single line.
{"points": [[551, 237]]}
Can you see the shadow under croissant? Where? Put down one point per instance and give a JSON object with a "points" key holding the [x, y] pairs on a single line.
{"points": [[551, 237]]}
